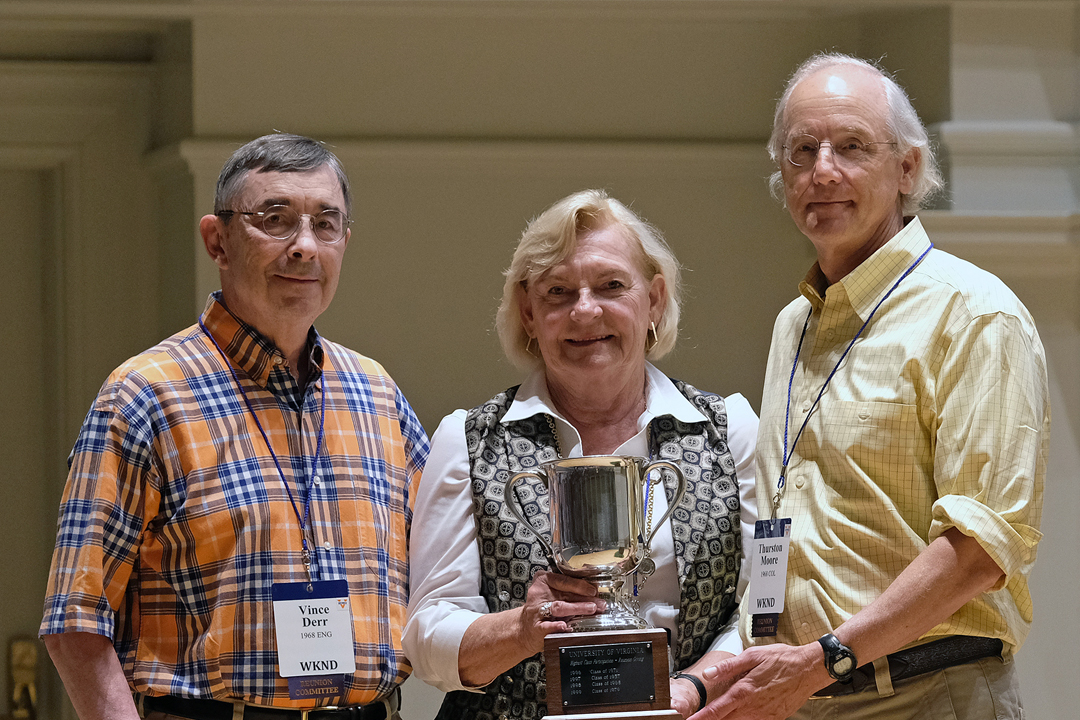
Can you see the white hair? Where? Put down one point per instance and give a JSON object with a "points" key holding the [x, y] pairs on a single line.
{"points": [[902, 122]]}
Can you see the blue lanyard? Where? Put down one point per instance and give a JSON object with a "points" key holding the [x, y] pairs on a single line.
{"points": [[305, 553], [782, 481]]}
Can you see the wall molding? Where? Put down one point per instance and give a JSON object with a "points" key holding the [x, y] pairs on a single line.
{"points": [[1037, 256], [656, 160], [998, 140], [118, 10]]}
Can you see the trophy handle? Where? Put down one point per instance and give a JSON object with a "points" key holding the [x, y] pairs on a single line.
{"points": [[680, 490], [512, 505]]}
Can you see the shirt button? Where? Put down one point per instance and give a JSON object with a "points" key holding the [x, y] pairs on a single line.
{"points": [[504, 596], [316, 480], [830, 333], [327, 545], [278, 360], [799, 482]]}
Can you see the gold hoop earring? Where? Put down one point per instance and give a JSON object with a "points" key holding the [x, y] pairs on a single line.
{"points": [[528, 348], [650, 343]]}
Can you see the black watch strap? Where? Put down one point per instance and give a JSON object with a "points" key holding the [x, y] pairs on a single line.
{"points": [[703, 695], [839, 659]]}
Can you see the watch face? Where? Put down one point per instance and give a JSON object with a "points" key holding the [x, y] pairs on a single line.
{"points": [[839, 660]]}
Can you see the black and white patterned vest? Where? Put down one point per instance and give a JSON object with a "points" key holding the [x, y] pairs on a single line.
{"points": [[704, 526]]}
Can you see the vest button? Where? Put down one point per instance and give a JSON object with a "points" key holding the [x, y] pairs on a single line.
{"points": [[504, 596]]}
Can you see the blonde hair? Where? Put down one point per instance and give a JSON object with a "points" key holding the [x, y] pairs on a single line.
{"points": [[550, 238]]}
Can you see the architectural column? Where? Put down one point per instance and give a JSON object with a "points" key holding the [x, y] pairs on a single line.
{"points": [[1012, 149], [1013, 166], [204, 159]]}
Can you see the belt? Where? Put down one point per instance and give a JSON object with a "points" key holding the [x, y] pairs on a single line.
{"points": [[221, 710], [931, 656]]}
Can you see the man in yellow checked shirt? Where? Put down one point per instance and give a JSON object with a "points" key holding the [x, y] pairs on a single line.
{"points": [[232, 537], [902, 444]]}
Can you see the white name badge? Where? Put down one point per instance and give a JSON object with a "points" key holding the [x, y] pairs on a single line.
{"points": [[313, 624], [768, 575]]}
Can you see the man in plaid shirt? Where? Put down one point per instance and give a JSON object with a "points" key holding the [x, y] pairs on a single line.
{"points": [[232, 538]]}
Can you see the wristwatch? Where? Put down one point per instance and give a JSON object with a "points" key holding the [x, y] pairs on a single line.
{"points": [[839, 660]]}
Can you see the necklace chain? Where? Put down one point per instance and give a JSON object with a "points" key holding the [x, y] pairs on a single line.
{"points": [[554, 434]]}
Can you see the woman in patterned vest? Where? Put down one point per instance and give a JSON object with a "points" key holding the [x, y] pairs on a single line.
{"points": [[592, 292]]}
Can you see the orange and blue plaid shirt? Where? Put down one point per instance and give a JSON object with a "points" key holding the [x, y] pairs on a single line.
{"points": [[175, 521]]}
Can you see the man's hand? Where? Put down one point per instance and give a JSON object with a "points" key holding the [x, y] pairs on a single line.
{"points": [[772, 681], [767, 682]]}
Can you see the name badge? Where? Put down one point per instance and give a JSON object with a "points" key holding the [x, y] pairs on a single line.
{"points": [[314, 630], [768, 575]]}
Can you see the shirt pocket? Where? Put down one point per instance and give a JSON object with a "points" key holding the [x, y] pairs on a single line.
{"points": [[877, 444], [889, 460], [882, 431]]}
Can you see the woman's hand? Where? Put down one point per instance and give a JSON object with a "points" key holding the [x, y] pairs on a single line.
{"points": [[685, 697], [550, 601], [498, 641]]}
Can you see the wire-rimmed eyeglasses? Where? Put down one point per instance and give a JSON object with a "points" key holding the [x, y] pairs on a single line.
{"points": [[802, 150], [282, 222]]}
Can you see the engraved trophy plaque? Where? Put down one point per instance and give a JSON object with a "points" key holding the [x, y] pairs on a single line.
{"points": [[612, 664]]}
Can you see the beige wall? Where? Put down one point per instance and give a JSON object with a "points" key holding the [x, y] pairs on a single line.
{"points": [[436, 224], [458, 121]]}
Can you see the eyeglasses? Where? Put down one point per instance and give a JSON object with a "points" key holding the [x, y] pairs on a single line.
{"points": [[802, 151], [281, 222]]}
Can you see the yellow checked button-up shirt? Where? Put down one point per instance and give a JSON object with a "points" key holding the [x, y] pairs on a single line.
{"points": [[939, 417]]}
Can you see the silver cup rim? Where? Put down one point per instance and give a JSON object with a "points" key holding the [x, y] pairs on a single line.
{"points": [[596, 461]]}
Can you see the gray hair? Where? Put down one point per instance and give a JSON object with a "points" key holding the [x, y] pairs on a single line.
{"points": [[279, 152], [551, 238], [902, 122]]}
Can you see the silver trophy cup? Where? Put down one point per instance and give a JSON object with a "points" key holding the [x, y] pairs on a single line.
{"points": [[599, 527]]}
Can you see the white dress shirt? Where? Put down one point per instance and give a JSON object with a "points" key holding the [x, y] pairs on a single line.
{"points": [[444, 558]]}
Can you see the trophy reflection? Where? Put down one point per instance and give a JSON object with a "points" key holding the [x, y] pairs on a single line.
{"points": [[600, 510]]}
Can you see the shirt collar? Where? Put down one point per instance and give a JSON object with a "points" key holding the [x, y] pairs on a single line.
{"points": [[870, 280], [248, 349], [662, 399]]}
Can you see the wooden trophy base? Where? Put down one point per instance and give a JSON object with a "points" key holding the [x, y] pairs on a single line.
{"points": [[613, 675], [642, 715]]}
